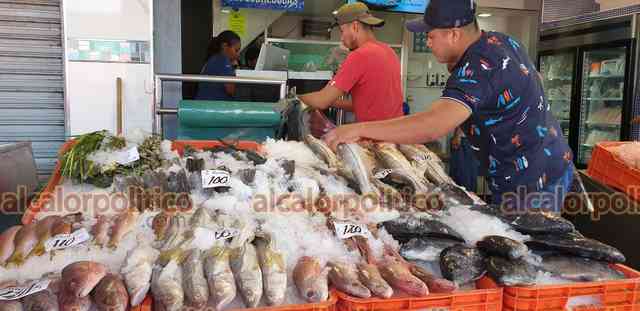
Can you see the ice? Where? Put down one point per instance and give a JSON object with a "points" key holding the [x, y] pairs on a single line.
{"points": [[69, 198], [546, 278], [429, 254], [291, 150], [474, 226], [167, 153], [227, 160], [137, 136]]}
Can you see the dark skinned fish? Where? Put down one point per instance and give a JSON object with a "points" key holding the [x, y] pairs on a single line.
{"points": [[507, 272], [409, 226], [503, 246], [462, 264]]}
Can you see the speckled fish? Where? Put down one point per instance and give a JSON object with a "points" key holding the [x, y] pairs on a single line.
{"points": [[43, 231], [503, 246], [201, 218], [426, 163], [345, 278], [396, 272], [7, 245], [41, 301], [245, 267], [352, 155], [580, 269], [100, 231], [311, 280], [111, 294], [25, 241], [11, 305], [123, 225], [323, 151], [435, 285], [69, 302], [160, 224], [194, 283], [166, 286], [462, 264], [78, 279], [410, 226], [222, 286], [529, 221], [274, 269], [508, 272]]}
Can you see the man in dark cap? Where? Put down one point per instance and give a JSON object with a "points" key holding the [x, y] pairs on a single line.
{"points": [[496, 95], [370, 73]]}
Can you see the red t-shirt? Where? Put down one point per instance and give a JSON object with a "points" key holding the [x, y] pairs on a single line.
{"points": [[371, 74]]}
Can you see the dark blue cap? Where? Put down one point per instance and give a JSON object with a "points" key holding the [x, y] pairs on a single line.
{"points": [[444, 14]]}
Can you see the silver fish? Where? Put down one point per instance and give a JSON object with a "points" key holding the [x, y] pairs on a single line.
{"points": [[426, 163], [222, 286], [274, 272], [166, 286], [137, 272], [245, 267], [194, 282], [580, 269], [323, 150], [353, 156]]}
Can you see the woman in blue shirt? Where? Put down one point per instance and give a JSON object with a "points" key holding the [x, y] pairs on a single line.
{"points": [[223, 53]]}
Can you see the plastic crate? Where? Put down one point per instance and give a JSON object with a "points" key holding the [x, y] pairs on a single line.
{"points": [[488, 297], [610, 170], [618, 295]]}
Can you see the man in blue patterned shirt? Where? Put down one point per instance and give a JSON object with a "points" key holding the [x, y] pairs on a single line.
{"points": [[496, 95]]}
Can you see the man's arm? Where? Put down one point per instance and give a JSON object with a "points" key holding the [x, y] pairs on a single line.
{"points": [[322, 99], [230, 89], [345, 104]]}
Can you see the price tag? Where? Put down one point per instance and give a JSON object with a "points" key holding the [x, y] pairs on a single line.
{"points": [[215, 179], [63, 241], [128, 156], [382, 174], [17, 292], [217, 234], [348, 230], [421, 158]]}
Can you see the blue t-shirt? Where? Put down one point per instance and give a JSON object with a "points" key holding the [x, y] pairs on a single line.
{"points": [[511, 127], [217, 65]]}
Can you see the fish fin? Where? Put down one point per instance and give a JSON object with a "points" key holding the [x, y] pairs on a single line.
{"points": [[39, 250]]}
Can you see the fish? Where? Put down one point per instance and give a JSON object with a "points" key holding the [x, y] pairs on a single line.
{"points": [[409, 226], [100, 231], [511, 272], [435, 285], [11, 305], [201, 218], [174, 235], [580, 269], [63, 227], [166, 287], [396, 272], [425, 249], [311, 280], [69, 302], [24, 241], [222, 286], [246, 269], [160, 224], [79, 278], [529, 221], [462, 264], [178, 182], [43, 231], [43, 300], [194, 283], [123, 225], [426, 163], [7, 244], [578, 245], [137, 272], [322, 150], [111, 294], [247, 175], [273, 267], [368, 272], [391, 197], [345, 278], [353, 157], [502, 246]]}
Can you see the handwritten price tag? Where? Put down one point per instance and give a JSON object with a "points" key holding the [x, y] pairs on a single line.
{"points": [[128, 156], [215, 179], [217, 234], [421, 158], [382, 174], [63, 241], [17, 292], [348, 230]]}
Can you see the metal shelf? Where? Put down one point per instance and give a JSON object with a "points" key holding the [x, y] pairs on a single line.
{"points": [[603, 125], [605, 99], [604, 76]]}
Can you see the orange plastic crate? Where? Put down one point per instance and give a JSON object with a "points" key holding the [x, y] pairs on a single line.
{"points": [[618, 295], [610, 170], [487, 298]]}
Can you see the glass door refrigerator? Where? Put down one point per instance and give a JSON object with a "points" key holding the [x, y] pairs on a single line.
{"points": [[588, 72]]}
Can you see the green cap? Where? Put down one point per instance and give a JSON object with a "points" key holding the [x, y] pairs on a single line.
{"points": [[357, 11]]}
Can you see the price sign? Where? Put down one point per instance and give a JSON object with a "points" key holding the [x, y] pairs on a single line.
{"points": [[63, 241], [348, 230], [215, 179], [217, 234], [17, 292], [382, 174], [421, 158]]}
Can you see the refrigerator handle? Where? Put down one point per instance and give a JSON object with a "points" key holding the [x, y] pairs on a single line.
{"points": [[119, 106]]}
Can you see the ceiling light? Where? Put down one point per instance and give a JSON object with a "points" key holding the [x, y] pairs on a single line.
{"points": [[485, 15]]}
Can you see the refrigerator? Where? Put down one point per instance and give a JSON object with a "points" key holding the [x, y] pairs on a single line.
{"points": [[588, 72]]}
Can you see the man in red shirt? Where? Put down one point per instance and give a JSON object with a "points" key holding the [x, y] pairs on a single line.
{"points": [[371, 72]]}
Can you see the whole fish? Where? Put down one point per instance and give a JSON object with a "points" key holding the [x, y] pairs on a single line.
{"points": [[311, 280], [222, 286], [160, 224], [503, 246], [166, 286], [425, 249], [410, 226], [63, 227], [69, 302], [7, 245], [462, 264], [274, 269], [395, 271], [426, 163], [11, 305], [194, 283], [529, 221], [43, 231], [123, 225], [41, 301], [175, 234], [137, 272], [345, 278], [246, 269], [580, 269], [577, 245], [201, 218], [368, 271], [178, 183], [391, 197], [352, 155], [25, 241], [79, 278], [435, 285], [507, 272], [111, 294], [100, 231], [323, 151]]}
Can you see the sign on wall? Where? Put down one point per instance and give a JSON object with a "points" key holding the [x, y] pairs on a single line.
{"points": [[285, 5], [400, 6]]}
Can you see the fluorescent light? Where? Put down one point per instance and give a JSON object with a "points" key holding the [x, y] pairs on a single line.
{"points": [[485, 15], [225, 11]]}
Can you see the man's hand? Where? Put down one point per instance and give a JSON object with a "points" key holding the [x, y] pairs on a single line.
{"points": [[350, 133], [456, 140]]}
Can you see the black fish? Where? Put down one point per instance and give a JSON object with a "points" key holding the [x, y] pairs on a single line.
{"points": [[178, 183], [195, 164], [425, 249], [457, 194], [511, 272], [462, 264], [531, 221], [578, 245], [155, 180], [580, 269], [408, 227], [289, 167], [247, 175], [503, 246]]}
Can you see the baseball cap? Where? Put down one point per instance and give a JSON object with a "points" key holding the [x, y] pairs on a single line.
{"points": [[444, 14], [357, 11]]}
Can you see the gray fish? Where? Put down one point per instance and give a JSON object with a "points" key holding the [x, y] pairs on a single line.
{"points": [[503, 246], [194, 283], [462, 264], [274, 269], [111, 294], [507, 272], [578, 245], [530, 221], [425, 249], [409, 226], [580, 269], [166, 286], [222, 286], [247, 175], [427, 163], [41, 301], [345, 278], [178, 182], [246, 269]]}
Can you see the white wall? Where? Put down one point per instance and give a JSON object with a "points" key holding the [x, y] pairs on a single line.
{"points": [[613, 4]]}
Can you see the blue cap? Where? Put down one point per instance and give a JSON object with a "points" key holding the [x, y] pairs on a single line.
{"points": [[444, 14]]}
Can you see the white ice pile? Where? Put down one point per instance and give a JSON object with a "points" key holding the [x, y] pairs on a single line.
{"points": [[474, 225]]}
